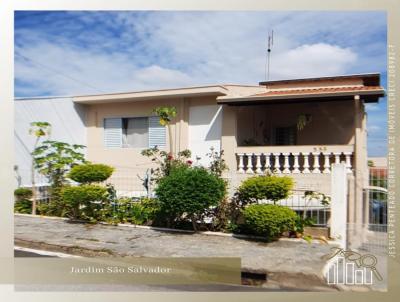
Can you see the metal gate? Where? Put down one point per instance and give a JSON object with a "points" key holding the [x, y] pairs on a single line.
{"points": [[375, 212]]}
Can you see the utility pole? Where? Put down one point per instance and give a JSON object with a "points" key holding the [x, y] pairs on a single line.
{"points": [[268, 63]]}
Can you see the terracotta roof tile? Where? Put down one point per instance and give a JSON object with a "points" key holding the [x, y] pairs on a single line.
{"points": [[318, 90]]}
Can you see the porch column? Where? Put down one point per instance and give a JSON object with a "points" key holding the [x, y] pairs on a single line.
{"points": [[360, 168], [228, 138], [338, 224]]}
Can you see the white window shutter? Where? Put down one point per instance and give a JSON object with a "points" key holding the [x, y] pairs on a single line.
{"points": [[157, 133], [113, 132]]}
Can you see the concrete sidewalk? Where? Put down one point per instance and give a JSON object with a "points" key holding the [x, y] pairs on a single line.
{"points": [[290, 263]]}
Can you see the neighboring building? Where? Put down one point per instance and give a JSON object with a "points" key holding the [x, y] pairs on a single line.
{"points": [[296, 127], [378, 166], [68, 125], [378, 162]]}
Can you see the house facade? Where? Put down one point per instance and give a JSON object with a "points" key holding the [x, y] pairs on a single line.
{"points": [[297, 127]]}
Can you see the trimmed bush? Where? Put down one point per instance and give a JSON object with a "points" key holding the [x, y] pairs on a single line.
{"points": [[189, 191], [23, 206], [85, 201], [23, 193], [142, 212], [267, 220], [88, 173], [145, 211], [266, 187]]}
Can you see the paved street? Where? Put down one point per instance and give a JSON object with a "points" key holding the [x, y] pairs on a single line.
{"points": [[286, 263]]}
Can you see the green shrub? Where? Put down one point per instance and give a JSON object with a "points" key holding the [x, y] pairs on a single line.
{"points": [[142, 212], [145, 211], [85, 201], [55, 207], [266, 187], [23, 193], [267, 220], [23, 206], [88, 173], [189, 191]]}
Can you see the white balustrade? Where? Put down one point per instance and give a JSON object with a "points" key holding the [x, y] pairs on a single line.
{"points": [[277, 164], [250, 164], [286, 165], [337, 157], [267, 162], [241, 165], [348, 162], [306, 165], [316, 163], [327, 165], [258, 163], [293, 162], [296, 165]]}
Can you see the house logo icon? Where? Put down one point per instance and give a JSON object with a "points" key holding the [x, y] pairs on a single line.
{"points": [[351, 268]]}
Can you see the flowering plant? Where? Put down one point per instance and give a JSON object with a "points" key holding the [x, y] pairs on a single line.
{"points": [[166, 161]]}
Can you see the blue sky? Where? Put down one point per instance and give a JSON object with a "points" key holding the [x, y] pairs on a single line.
{"points": [[74, 53]]}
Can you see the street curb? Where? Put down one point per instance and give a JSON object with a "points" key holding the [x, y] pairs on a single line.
{"points": [[44, 252], [206, 233]]}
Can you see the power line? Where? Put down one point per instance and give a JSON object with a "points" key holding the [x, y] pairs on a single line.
{"points": [[58, 72]]}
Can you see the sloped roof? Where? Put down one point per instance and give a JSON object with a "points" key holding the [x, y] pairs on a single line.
{"points": [[370, 94], [319, 90]]}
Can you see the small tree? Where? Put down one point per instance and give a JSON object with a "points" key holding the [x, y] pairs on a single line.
{"points": [[84, 201], [268, 187], [54, 159], [39, 130], [189, 192], [267, 220], [166, 115], [90, 173]]}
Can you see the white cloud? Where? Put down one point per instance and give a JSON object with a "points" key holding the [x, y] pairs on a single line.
{"points": [[68, 71], [53, 68], [172, 49], [374, 129], [319, 59], [372, 107]]}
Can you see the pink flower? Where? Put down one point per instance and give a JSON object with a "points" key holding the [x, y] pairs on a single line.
{"points": [[170, 157]]}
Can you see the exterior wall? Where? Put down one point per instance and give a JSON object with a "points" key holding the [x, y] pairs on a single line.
{"points": [[68, 125], [333, 118], [124, 157], [131, 157]]}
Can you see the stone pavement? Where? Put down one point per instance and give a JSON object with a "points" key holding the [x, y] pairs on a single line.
{"points": [[287, 261]]}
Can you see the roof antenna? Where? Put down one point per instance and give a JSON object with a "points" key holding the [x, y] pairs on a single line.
{"points": [[270, 44]]}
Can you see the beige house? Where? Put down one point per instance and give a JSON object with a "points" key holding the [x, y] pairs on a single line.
{"points": [[295, 127], [298, 128]]}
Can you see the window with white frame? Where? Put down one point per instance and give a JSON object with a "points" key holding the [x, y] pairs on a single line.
{"points": [[134, 132]]}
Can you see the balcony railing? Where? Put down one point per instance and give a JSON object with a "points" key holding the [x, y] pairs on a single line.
{"points": [[293, 159]]}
